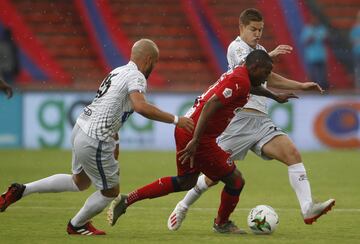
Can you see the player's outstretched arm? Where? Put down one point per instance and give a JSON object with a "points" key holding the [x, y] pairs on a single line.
{"points": [[279, 97], [141, 106], [5, 87], [277, 81]]}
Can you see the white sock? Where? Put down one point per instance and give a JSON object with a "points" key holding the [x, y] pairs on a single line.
{"points": [[300, 184], [94, 205], [54, 183], [194, 194]]}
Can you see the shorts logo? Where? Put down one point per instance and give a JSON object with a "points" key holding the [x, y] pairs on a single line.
{"points": [[227, 92], [229, 161]]}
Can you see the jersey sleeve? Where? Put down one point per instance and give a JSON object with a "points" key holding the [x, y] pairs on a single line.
{"points": [[136, 82], [233, 88]]}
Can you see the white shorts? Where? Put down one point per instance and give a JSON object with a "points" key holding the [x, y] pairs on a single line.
{"points": [[248, 131], [96, 158]]}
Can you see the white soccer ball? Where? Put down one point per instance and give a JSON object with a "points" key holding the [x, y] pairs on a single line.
{"points": [[263, 219]]}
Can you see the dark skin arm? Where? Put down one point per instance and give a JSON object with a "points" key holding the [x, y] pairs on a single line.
{"points": [[210, 107], [280, 97]]}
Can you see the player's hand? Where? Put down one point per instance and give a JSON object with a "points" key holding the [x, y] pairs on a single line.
{"points": [[188, 153], [284, 97], [311, 86], [116, 152], [186, 123], [281, 49], [6, 88]]}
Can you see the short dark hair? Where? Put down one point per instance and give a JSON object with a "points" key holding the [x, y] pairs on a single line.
{"points": [[250, 14], [259, 57]]}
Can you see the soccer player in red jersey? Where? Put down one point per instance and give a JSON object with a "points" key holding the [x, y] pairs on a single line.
{"points": [[198, 151]]}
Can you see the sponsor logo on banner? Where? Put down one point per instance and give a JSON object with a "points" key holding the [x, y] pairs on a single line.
{"points": [[338, 125], [50, 118]]}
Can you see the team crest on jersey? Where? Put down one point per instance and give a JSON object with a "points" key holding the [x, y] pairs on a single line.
{"points": [[240, 51], [141, 82], [227, 92]]}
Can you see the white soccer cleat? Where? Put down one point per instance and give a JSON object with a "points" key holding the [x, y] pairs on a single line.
{"points": [[117, 208], [176, 217], [316, 210]]}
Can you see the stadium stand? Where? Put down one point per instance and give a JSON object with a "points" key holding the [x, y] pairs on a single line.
{"points": [[340, 13], [182, 61], [192, 36], [58, 27]]}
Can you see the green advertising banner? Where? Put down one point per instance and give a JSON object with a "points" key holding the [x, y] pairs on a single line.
{"points": [[11, 121]]}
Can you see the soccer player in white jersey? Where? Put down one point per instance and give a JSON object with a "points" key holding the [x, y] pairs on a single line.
{"points": [[252, 129], [94, 139]]}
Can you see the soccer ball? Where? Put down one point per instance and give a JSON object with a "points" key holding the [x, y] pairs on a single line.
{"points": [[263, 219]]}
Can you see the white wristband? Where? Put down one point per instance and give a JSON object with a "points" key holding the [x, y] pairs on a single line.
{"points": [[176, 120], [117, 142]]}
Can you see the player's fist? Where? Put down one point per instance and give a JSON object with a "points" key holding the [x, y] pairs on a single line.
{"points": [[186, 123], [281, 49], [312, 86]]}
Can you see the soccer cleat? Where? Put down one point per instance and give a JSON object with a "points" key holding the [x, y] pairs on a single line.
{"points": [[176, 217], [88, 230], [13, 194], [117, 208], [228, 228], [316, 210]]}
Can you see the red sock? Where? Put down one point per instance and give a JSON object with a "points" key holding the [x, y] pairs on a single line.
{"points": [[227, 205], [158, 188]]}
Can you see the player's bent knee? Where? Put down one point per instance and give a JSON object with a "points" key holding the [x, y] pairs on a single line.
{"points": [[239, 182], [113, 192], [292, 156], [234, 181], [82, 185], [187, 182]]}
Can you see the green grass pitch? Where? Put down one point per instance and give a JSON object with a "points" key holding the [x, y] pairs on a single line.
{"points": [[42, 218]]}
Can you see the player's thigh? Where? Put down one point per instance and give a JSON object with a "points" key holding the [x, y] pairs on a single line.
{"points": [[96, 158], [82, 180], [240, 135], [282, 149], [213, 162]]}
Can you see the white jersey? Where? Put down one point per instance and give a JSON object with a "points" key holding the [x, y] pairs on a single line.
{"points": [[111, 107], [236, 55]]}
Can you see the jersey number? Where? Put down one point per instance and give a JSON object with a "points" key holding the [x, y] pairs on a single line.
{"points": [[105, 85]]}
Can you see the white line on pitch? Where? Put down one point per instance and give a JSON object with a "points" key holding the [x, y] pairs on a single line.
{"points": [[193, 209]]}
